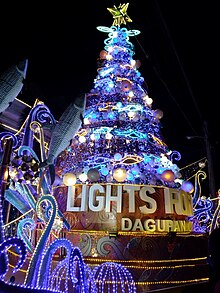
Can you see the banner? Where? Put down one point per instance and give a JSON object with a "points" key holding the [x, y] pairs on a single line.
{"points": [[118, 207]]}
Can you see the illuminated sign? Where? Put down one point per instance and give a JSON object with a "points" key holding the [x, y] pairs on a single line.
{"points": [[129, 207]]}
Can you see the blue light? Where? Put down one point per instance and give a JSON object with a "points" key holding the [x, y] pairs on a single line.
{"points": [[119, 105], [117, 157], [130, 176], [104, 171], [111, 115]]}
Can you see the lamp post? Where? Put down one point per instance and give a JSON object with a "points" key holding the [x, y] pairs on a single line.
{"points": [[212, 186], [211, 174]]}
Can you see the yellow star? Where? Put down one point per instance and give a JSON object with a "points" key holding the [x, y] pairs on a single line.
{"points": [[120, 14]]}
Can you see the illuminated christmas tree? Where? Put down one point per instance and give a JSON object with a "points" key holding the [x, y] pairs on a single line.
{"points": [[121, 139]]}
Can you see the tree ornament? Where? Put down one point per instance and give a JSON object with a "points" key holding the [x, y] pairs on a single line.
{"points": [[120, 174], [125, 85], [120, 14], [69, 179], [187, 186], [83, 177], [168, 176], [137, 63], [158, 114], [93, 175], [103, 54]]}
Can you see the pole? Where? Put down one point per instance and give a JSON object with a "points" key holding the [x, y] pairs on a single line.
{"points": [[211, 175], [7, 148]]}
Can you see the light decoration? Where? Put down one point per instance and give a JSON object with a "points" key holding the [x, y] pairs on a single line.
{"points": [[22, 252], [168, 176], [103, 54], [78, 271], [148, 100], [158, 113], [113, 277], [33, 274], [131, 159], [24, 229], [117, 157], [69, 179], [120, 14], [93, 175], [82, 139], [187, 186], [120, 174], [83, 177], [51, 278], [131, 94]]}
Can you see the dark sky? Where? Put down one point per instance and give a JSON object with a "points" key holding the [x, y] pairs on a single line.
{"points": [[177, 48]]}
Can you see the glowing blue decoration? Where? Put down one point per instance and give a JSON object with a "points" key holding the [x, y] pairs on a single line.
{"points": [[119, 105], [88, 114], [117, 34], [103, 130], [117, 157], [130, 108], [187, 186], [113, 277], [86, 169], [29, 196], [41, 114], [98, 161], [105, 71], [135, 171], [49, 278], [111, 115], [160, 170], [108, 89], [130, 176], [104, 171], [175, 156], [34, 264], [97, 136], [130, 133], [203, 211], [25, 226], [77, 271], [111, 85], [14, 241]]}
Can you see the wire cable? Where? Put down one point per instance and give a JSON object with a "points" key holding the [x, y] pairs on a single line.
{"points": [[178, 60]]}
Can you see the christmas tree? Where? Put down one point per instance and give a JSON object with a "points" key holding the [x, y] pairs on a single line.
{"points": [[121, 139]]}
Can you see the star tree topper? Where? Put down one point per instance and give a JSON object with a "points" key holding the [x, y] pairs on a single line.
{"points": [[120, 14]]}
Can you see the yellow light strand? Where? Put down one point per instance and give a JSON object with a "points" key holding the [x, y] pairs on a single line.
{"points": [[17, 219], [194, 163], [148, 261], [157, 267]]}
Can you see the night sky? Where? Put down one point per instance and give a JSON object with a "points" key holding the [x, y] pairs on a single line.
{"points": [[177, 48]]}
